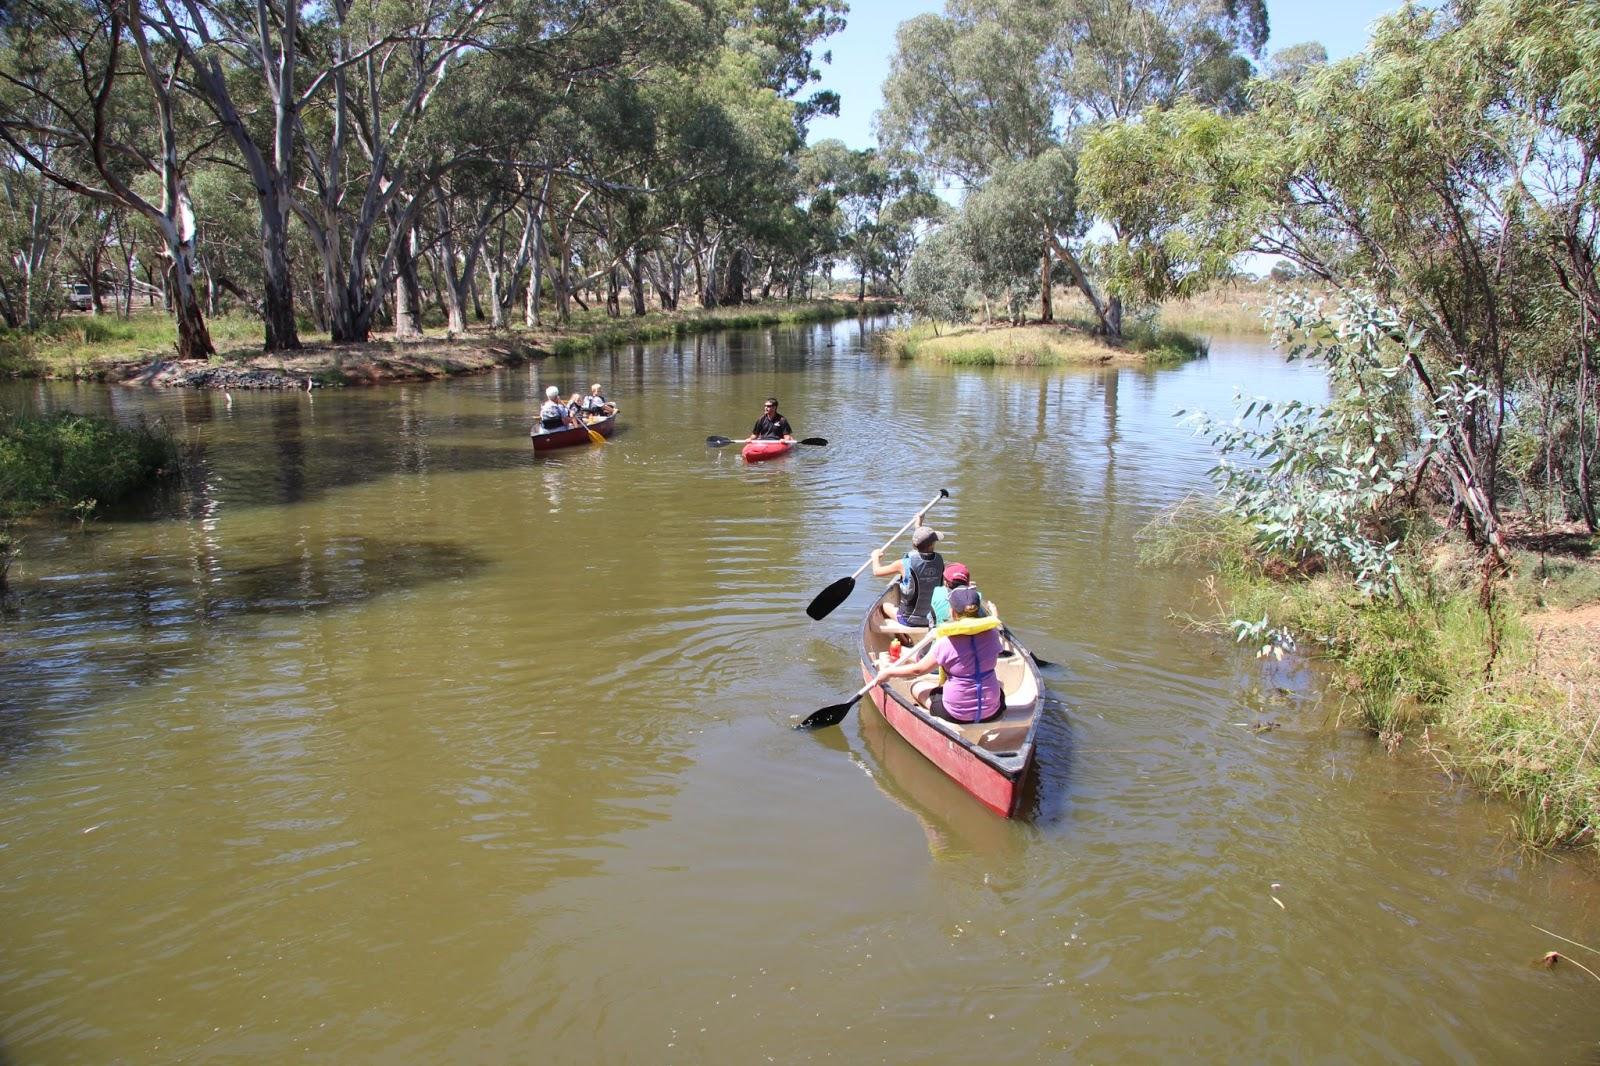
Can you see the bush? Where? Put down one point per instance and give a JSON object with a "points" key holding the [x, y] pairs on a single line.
{"points": [[64, 459]]}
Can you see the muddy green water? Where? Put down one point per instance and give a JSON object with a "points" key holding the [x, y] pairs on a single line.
{"points": [[381, 739]]}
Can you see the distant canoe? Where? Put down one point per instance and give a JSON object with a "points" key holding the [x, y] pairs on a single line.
{"points": [[989, 759], [758, 450], [566, 437]]}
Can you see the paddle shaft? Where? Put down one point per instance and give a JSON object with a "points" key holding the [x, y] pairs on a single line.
{"points": [[722, 442], [830, 716], [900, 532]]}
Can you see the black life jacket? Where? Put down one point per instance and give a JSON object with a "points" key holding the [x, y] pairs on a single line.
{"points": [[923, 574]]}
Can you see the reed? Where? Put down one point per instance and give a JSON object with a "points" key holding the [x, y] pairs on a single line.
{"points": [[1507, 697]]}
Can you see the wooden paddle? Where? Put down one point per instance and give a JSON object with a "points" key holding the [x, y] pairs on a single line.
{"points": [[835, 594], [720, 442], [834, 715]]}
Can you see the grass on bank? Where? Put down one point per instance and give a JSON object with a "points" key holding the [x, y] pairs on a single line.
{"points": [[76, 461], [84, 346], [1508, 697], [1230, 308], [1039, 344]]}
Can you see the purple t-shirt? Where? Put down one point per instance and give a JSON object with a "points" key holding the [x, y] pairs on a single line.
{"points": [[971, 688]]}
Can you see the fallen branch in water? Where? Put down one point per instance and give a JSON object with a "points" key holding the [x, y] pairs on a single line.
{"points": [[1558, 936]]}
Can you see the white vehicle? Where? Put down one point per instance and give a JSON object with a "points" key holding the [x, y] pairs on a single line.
{"points": [[79, 296]]}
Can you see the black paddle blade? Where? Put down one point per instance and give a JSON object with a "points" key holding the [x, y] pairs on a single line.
{"points": [[718, 442], [815, 441], [830, 597], [829, 716]]}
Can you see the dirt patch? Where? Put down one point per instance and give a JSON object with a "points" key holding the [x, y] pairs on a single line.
{"points": [[373, 363]]}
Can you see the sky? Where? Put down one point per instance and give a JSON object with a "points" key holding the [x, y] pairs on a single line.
{"points": [[861, 51]]}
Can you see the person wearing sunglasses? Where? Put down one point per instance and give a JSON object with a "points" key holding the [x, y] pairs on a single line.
{"points": [[771, 425]]}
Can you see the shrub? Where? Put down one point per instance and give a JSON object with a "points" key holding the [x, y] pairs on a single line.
{"points": [[64, 459]]}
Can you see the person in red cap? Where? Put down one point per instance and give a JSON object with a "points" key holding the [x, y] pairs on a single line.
{"points": [[955, 576]]}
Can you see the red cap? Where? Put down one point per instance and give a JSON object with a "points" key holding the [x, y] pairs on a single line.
{"points": [[955, 574]]}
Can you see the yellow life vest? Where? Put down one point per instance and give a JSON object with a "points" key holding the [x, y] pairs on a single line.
{"points": [[966, 627]]}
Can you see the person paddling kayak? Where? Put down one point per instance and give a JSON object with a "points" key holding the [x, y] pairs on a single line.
{"points": [[771, 425]]}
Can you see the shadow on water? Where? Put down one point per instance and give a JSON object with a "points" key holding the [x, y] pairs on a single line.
{"points": [[72, 643], [1049, 789]]}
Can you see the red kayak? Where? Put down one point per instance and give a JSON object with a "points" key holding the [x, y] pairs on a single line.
{"points": [[758, 450]]}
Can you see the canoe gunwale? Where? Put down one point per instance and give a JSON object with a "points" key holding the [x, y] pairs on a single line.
{"points": [[1012, 765], [569, 436]]}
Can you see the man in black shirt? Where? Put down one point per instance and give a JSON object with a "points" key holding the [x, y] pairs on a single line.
{"points": [[771, 425]]}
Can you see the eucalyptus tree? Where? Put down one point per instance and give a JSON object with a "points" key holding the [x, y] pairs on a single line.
{"points": [[386, 66], [231, 49], [782, 37], [992, 84], [940, 277], [1451, 169], [77, 114], [881, 202]]}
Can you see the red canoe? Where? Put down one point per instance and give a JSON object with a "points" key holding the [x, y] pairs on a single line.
{"points": [[545, 439], [989, 759], [758, 450]]}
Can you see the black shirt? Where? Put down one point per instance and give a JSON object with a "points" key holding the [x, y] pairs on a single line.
{"points": [[772, 427]]}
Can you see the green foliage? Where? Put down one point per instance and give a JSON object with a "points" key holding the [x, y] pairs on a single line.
{"points": [[1322, 482], [74, 460], [1177, 230], [940, 277]]}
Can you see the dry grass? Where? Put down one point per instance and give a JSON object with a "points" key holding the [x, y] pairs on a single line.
{"points": [[1036, 344]]}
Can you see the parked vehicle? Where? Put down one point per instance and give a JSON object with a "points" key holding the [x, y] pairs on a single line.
{"points": [[79, 296]]}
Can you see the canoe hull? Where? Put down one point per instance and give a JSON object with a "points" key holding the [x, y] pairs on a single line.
{"points": [[990, 760], [757, 450], [996, 790], [546, 440]]}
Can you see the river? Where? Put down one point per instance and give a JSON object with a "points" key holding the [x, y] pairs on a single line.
{"points": [[380, 738]]}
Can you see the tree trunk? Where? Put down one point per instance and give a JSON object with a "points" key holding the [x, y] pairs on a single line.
{"points": [[96, 292], [613, 296], [530, 311], [407, 290], [277, 298], [1114, 315], [1046, 307], [563, 279], [194, 340], [497, 312], [636, 281]]}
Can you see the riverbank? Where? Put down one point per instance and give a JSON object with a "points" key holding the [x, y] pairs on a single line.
{"points": [[1506, 696], [1039, 344], [139, 350]]}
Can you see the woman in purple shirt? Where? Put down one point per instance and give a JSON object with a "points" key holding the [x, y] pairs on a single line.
{"points": [[971, 691]]}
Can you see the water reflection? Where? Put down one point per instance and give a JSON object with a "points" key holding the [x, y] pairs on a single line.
{"points": [[377, 738]]}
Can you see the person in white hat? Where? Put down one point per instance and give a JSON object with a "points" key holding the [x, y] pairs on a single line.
{"points": [[920, 572]]}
